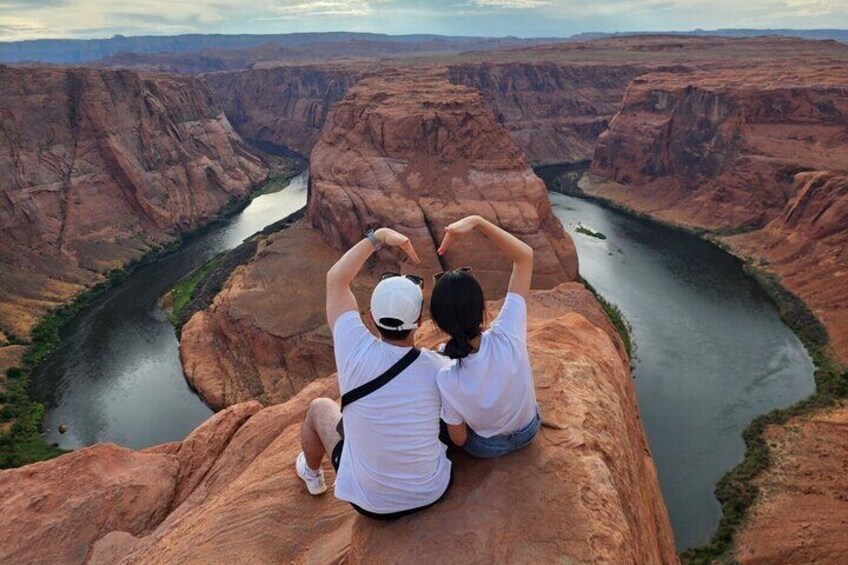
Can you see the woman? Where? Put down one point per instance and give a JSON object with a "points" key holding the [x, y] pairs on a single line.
{"points": [[488, 398]]}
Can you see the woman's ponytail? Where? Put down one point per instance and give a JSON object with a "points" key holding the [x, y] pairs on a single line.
{"points": [[457, 306]]}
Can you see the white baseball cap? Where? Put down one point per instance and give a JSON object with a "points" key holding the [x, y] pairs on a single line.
{"points": [[397, 299]]}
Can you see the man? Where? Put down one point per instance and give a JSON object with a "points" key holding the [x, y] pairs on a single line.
{"points": [[390, 462]]}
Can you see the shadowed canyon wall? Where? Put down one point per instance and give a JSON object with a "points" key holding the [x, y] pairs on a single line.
{"points": [[286, 105], [99, 167], [553, 112]]}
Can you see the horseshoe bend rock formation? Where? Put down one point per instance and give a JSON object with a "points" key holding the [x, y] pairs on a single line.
{"points": [[585, 491], [407, 149], [99, 167], [763, 152]]}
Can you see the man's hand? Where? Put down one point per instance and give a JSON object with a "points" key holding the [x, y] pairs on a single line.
{"points": [[391, 238], [460, 227]]}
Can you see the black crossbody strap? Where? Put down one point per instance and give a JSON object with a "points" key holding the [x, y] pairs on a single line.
{"points": [[381, 381]]}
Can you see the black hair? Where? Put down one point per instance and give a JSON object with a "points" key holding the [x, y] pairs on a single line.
{"points": [[458, 308], [393, 335]]}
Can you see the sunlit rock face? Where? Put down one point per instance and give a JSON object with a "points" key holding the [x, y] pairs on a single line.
{"points": [[409, 150], [99, 167]]}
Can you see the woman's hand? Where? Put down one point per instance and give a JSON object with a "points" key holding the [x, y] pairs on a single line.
{"points": [[460, 227], [391, 238]]}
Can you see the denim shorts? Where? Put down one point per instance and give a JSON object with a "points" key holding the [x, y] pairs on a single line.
{"points": [[495, 446]]}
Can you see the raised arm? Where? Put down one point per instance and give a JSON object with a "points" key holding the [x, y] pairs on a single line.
{"points": [[520, 253], [340, 298]]}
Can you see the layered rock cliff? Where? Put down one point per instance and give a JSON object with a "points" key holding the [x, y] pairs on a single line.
{"points": [[99, 167], [265, 336], [409, 150], [282, 105], [584, 492], [762, 152], [553, 112]]}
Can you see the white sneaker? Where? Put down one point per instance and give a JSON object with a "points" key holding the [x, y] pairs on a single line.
{"points": [[314, 479]]}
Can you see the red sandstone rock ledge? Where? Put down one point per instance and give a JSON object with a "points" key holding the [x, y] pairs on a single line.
{"points": [[100, 167], [584, 492]]}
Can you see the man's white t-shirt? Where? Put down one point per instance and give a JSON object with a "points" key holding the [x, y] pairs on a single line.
{"points": [[392, 458], [492, 389]]}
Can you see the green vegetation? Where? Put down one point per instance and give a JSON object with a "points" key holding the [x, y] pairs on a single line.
{"points": [[184, 290], [23, 442], [615, 315], [736, 491], [588, 231]]}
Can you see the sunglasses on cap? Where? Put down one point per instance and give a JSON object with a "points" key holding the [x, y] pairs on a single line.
{"points": [[437, 276], [417, 280]]}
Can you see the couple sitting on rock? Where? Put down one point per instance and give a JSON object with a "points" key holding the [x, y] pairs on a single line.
{"points": [[389, 455]]}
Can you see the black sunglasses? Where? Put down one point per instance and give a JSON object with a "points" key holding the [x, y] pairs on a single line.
{"points": [[437, 276], [417, 280]]}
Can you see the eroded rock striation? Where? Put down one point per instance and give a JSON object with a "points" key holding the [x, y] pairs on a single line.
{"points": [[100, 167], [285, 105], [762, 152], [553, 112], [410, 150], [228, 493]]}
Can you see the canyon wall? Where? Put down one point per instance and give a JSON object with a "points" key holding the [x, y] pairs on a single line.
{"points": [[228, 492], [553, 112], [99, 167], [757, 156], [282, 105]]}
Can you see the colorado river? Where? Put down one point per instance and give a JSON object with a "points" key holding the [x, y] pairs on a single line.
{"points": [[116, 377], [711, 351]]}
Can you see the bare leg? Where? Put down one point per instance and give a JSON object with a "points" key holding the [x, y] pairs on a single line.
{"points": [[318, 434]]}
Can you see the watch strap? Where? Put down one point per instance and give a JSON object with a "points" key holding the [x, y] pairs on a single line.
{"points": [[371, 235]]}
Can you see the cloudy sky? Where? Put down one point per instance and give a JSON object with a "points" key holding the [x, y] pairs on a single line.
{"points": [[27, 19]]}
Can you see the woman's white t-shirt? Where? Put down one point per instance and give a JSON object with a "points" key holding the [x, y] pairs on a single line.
{"points": [[492, 389], [392, 458]]}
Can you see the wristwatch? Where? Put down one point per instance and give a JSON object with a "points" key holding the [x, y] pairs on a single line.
{"points": [[371, 235]]}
